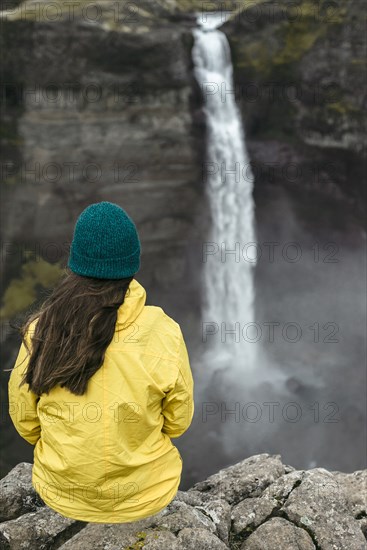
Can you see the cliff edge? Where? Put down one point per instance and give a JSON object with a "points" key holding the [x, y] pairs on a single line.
{"points": [[257, 504]]}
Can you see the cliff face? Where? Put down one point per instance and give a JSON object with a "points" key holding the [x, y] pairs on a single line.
{"points": [[298, 68], [100, 110], [255, 504], [101, 103]]}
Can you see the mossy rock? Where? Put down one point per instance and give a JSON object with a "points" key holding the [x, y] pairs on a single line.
{"points": [[116, 15], [141, 536], [22, 292], [344, 108], [294, 31]]}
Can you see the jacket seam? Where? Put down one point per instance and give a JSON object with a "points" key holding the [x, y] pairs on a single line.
{"points": [[166, 357]]}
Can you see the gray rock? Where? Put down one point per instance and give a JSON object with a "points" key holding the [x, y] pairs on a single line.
{"points": [[193, 497], [319, 504], [251, 512], [181, 515], [247, 478], [155, 539], [288, 469], [102, 537], [37, 530], [355, 488], [220, 513], [218, 510], [283, 486], [17, 495], [363, 525], [199, 539], [278, 534], [273, 507], [111, 536]]}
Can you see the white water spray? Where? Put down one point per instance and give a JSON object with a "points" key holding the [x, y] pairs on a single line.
{"points": [[229, 254]]}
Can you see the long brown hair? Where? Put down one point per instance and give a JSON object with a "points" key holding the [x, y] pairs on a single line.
{"points": [[76, 323]]}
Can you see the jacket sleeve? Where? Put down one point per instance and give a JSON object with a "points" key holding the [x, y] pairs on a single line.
{"points": [[178, 405], [22, 401]]}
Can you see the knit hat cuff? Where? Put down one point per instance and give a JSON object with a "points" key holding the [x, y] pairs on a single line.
{"points": [[101, 268]]}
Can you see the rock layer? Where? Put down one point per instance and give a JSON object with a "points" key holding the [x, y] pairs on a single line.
{"points": [[300, 84]]}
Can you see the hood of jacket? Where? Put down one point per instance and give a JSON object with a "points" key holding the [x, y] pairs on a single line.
{"points": [[133, 304]]}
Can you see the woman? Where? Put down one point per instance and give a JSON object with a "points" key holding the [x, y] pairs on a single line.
{"points": [[102, 382]]}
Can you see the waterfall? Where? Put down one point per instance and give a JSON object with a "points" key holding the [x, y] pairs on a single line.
{"points": [[229, 253]]}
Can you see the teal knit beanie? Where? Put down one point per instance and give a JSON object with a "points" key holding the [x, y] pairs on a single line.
{"points": [[105, 244]]}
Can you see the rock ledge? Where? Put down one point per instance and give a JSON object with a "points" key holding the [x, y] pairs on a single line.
{"points": [[257, 504]]}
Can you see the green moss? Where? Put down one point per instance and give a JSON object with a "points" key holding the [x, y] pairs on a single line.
{"points": [[11, 180], [22, 291], [305, 26], [298, 39], [289, 39], [140, 543], [342, 108], [322, 10], [262, 58], [255, 56]]}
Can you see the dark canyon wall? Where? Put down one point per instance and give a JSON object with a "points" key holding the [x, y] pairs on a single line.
{"points": [[299, 74]]}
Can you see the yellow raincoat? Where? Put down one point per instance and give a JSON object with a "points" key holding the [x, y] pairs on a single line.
{"points": [[107, 456]]}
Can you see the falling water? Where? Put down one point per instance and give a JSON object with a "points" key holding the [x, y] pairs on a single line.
{"points": [[229, 253]]}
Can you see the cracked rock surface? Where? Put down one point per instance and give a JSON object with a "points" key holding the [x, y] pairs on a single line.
{"points": [[258, 504]]}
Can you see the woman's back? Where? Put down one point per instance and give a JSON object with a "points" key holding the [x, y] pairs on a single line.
{"points": [[106, 456]]}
